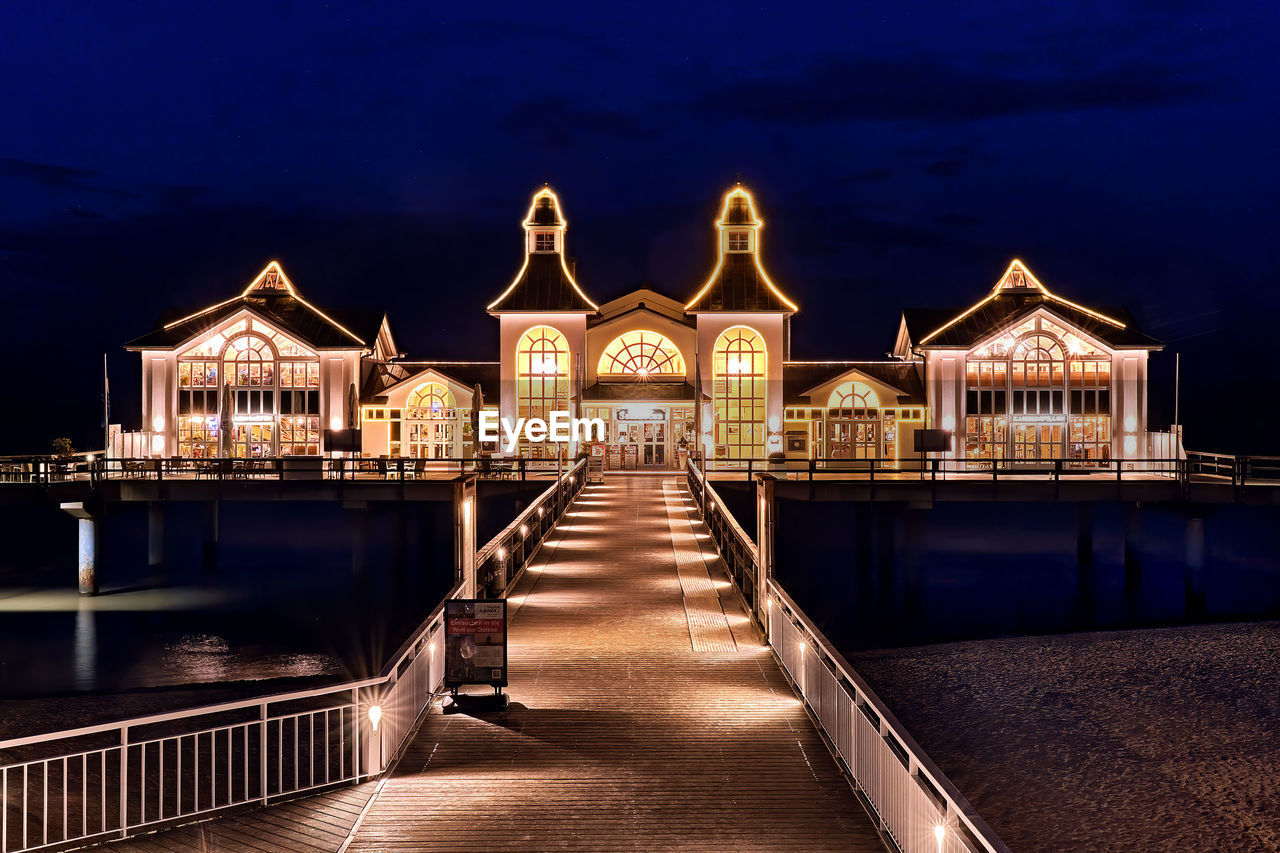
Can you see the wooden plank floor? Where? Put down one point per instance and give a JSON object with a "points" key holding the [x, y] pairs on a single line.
{"points": [[316, 824], [645, 715], [620, 735]]}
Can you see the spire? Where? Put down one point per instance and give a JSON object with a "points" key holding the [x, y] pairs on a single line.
{"points": [[739, 282], [544, 282]]}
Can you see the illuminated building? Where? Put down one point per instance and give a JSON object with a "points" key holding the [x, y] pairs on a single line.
{"points": [[1024, 373]]}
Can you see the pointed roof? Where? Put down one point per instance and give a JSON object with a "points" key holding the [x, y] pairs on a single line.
{"points": [[272, 296], [739, 282], [544, 282], [1018, 293]]}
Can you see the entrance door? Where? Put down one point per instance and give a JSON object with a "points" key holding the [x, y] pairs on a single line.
{"points": [[252, 441], [1037, 441], [854, 439], [653, 450]]}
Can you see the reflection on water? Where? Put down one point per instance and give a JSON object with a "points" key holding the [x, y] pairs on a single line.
{"points": [[86, 651]]}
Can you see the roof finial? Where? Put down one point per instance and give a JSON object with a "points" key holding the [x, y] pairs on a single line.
{"points": [[739, 178]]}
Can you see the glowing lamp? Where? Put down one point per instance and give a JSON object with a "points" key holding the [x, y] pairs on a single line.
{"points": [[1130, 445], [1130, 423], [502, 553], [375, 715], [540, 512], [524, 530], [157, 424], [949, 422], [335, 423], [775, 423], [939, 834]]}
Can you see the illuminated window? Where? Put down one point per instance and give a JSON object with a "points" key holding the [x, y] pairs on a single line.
{"points": [[544, 241], [738, 241], [430, 418], [641, 354], [853, 422], [739, 366], [542, 376]]}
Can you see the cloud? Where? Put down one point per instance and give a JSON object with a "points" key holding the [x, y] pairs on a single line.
{"points": [[558, 122], [55, 177], [929, 88]]}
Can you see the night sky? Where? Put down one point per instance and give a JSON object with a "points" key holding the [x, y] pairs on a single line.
{"points": [[155, 155]]}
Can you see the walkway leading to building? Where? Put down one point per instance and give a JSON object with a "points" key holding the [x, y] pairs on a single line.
{"points": [[645, 715]]}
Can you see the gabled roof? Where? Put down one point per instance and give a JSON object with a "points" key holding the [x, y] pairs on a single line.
{"points": [[272, 297], [544, 282], [1019, 293], [386, 375], [800, 378], [739, 282]]}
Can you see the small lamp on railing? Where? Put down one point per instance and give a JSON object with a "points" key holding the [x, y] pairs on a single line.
{"points": [[940, 834], [375, 716]]}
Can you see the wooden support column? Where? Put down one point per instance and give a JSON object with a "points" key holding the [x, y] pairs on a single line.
{"points": [[89, 536], [1195, 569], [358, 513], [766, 511], [1086, 591], [464, 526], [1132, 562], [155, 535], [209, 547]]}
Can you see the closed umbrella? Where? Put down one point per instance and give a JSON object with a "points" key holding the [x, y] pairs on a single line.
{"points": [[477, 403], [224, 422], [351, 406]]}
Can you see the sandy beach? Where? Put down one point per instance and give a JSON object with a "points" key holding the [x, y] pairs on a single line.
{"points": [[1153, 739]]}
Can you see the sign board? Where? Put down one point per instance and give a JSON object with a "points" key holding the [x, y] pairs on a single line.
{"points": [[635, 414], [932, 440], [475, 642]]}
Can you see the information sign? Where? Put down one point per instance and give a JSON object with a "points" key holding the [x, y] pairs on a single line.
{"points": [[475, 642]]}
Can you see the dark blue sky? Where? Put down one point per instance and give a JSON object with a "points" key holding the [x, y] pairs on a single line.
{"points": [[156, 155]]}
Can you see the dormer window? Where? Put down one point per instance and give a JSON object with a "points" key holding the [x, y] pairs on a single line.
{"points": [[738, 241], [544, 241]]}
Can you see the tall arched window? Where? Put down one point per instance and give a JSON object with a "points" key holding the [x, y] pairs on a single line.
{"points": [[430, 419], [542, 375], [249, 371], [853, 422], [641, 354], [739, 367]]}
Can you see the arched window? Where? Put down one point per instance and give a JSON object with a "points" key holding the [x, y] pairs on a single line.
{"points": [[430, 416], [542, 374], [853, 395], [641, 354], [739, 368], [1038, 361], [249, 372]]}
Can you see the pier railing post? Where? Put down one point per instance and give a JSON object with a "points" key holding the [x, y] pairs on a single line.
{"points": [[464, 524], [764, 549]]}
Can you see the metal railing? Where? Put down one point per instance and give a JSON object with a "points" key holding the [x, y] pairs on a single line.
{"points": [[44, 470], [736, 547], [915, 804], [500, 562], [116, 779], [1241, 471]]}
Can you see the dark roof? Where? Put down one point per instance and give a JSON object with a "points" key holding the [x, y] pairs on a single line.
{"points": [[545, 212], [1006, 308], [281, 309], [738, 211], [466, 373], [543, 285], [739, 285], [638, 391], [800, 377]]}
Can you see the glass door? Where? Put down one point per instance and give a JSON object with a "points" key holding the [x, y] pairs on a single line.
{"points": [[252, 441], [1037, 441]]}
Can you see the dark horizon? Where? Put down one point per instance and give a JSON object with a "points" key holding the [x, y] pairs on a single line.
{"points": [[158, 161]]}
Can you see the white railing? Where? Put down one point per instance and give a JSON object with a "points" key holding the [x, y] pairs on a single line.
{"points": [[916, 805], [117, 779], [919, 808]]}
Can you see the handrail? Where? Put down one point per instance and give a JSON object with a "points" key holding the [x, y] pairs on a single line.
{"points": [[892, 773], [918, 764], [339, 733]]}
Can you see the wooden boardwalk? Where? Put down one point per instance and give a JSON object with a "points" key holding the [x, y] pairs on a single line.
{"points": [[645, 715]]}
